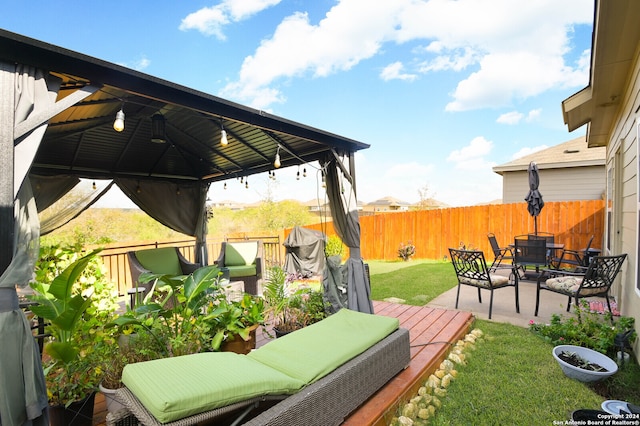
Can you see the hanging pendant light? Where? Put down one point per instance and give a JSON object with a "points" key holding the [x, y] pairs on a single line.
{"points": [[223, 135], [158, 129], [118, 124]]}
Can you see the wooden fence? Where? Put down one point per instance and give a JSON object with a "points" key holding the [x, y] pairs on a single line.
{"points": [[434, 231], [431, 231]]}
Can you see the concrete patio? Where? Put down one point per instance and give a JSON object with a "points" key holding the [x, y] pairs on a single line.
{"points": [[504, 305]]}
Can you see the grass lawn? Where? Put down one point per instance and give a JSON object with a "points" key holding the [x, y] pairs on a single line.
{"points": [[417, 282], [511, 377]]}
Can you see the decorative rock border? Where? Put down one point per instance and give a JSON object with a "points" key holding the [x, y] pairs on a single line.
{"points": [[424, 405]]}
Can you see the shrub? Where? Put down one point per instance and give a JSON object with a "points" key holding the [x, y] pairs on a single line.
{"points": [[334, 246], [588, 329], [406, 251]]}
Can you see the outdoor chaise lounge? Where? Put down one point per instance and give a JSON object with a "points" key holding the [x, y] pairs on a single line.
{"points": [[320, 373]]}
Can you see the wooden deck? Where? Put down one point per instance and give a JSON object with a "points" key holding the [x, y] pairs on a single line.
{"points": [[431, 332]]}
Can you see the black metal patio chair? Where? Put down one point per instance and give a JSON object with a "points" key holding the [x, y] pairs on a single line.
{"points": [[530, 251], [594, 281], [576, 258], [500, 253], [471, 269]]}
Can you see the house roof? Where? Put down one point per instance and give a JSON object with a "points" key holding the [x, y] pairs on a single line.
{"points": [[80, 139], [389, 201], [615, 24], [573, 153]]}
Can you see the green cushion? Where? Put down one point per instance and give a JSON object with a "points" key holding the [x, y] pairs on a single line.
{"points": [[174, 388], [240, 254], [314, 351], [160, 261], [241, 271]]}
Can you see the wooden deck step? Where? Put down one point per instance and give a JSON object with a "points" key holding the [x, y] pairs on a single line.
{"points": [[432, 331]]}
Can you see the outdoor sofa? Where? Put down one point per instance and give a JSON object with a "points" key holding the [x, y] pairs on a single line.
{"points": [[320, 374]]}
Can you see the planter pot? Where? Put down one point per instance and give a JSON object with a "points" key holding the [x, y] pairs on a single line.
{"points": [[238, 345], [589, 355], [79, 413], [113, 405]]}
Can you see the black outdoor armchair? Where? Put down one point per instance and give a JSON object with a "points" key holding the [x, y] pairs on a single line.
{"points": [[594, 281], [471, 269], [576, 258]]}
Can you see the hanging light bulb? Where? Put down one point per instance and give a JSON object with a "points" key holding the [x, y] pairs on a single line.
{"points": [[276, 161], [246, 183], [118, 124], [223, 135], [298, 174], [304, 172], [324, 182], [225, 186], [94, 185]]}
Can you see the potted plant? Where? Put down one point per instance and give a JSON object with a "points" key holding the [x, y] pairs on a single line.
{"points": [[172, 311], [139, 348], [71, 357], [289, 307], [234, 323], [584, 364]]}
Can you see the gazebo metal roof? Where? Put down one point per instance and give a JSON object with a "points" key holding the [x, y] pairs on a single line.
{"points": [[80, 140]]}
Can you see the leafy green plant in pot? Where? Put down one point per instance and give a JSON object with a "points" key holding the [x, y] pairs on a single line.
{"points": [[291, 309], [234, 323], [172, 312], [71, 361]]}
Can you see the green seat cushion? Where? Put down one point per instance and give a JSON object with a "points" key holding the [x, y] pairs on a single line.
{"points": [[241, 271], [240, 254], [160, 261], [315, 351], [174, 388]]}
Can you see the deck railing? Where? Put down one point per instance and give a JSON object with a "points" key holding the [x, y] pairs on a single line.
{"points": [[116, 262]]}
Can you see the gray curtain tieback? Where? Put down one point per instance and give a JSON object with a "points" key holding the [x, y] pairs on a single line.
{"points": [[9, 300]]}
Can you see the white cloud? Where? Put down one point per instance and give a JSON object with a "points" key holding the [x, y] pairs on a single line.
{"points": [[212, 20], [394, 72], [533, 115], [472, 156], [512, 117], [516, 51], [351, 31]]}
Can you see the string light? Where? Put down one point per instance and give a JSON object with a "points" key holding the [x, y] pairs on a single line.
{"points": [[225, 186], [223, 135], [276, 161], [118, 124], [246, 183], [94, 185]]}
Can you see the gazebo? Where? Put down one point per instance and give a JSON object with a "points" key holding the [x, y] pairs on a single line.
{"points": [[66, 116]]}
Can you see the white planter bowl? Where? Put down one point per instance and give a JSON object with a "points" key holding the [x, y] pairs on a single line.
{"points": [[589, 355]]}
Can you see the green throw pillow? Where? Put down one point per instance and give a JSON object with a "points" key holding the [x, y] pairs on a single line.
{"points": [[160, 261], [240, 254]]}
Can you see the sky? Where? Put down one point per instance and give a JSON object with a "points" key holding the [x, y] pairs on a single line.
{"points": [[442, 90]]}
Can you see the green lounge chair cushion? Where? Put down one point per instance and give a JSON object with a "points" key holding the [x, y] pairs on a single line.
{"points": [[160, 261], [315, 351], [240, 254], [174, 388], [241, 271]]}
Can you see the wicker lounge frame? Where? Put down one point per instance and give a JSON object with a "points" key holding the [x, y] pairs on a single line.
{"points": [[326, 402]]}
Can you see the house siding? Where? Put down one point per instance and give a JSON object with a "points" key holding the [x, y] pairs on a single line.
{"points": [[624, 139], [566, 184]]}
